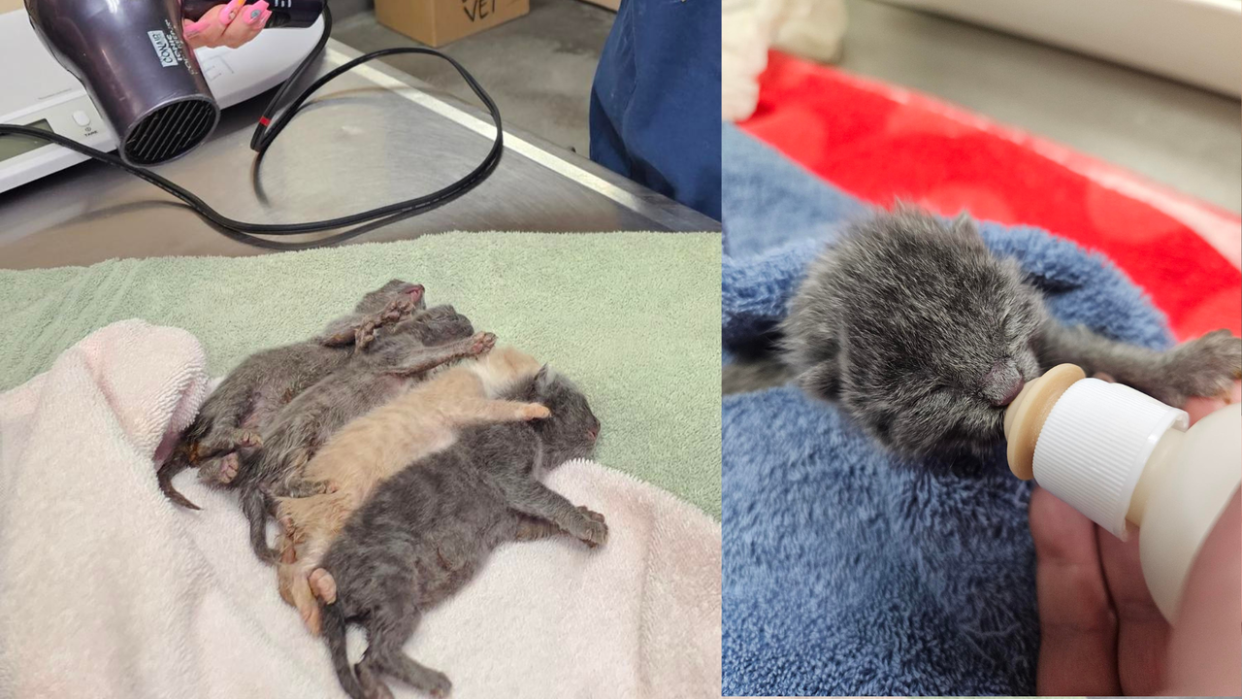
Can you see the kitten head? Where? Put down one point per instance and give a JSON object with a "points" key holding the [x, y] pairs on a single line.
{"points": [[378, 300], [934, 334], [571, 431]]}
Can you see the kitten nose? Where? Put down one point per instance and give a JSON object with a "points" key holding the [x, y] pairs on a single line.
{"points": [[1002, 383]]}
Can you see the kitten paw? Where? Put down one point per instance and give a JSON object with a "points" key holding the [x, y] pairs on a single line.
{"points": [[590, 513], [399, 308], [365, 333], [1205, 367], [483, 343], [534, 411], [594, 531], [249, 439], [323, 585], [221, 470], [372, 687], [229, 465], [436, 684]]}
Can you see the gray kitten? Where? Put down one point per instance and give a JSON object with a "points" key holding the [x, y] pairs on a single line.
{"points": [[414, 347], [923, 336], [429, 528], [252, 394]]}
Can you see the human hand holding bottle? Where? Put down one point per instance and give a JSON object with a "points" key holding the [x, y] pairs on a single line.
{"points": [[1102, 633]]}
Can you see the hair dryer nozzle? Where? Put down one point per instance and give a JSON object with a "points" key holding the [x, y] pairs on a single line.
{"points": [[132, 60]]}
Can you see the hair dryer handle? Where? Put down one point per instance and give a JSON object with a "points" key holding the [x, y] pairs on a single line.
{"points": [[291, 14]]}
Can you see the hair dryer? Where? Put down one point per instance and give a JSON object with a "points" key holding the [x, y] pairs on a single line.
{"points": [[134, 63]]}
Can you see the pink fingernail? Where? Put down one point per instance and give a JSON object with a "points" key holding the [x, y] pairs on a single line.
{"points": [[266, 16], [229, 13], [193, 29], [255, 13]]}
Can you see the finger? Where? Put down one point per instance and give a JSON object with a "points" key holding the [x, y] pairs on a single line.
{"points": [[229, 12], [222, 16], [249, 22], [1198, 406], [1142, 632], [206, 32], [1077, 651]]}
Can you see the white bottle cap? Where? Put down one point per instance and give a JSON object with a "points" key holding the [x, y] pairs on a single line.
{"points": [[1094, 445]]}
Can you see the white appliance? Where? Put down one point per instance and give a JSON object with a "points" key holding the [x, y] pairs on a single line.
{"points": [[1194, 41], [43, 94]]}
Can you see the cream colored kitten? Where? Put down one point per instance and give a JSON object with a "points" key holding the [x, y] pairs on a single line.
{"points": [[423, 421]]}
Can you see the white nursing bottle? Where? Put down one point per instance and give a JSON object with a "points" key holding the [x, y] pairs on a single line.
{"points": [[1117, 456]]}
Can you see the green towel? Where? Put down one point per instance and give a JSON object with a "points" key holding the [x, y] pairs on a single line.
{"points": [[633, 318]]}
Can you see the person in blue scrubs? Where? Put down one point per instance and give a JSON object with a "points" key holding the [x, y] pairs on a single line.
{"points": [[655, 103]]}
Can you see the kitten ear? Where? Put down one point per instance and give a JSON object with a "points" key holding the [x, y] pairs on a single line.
{"points": [[544, 377], [965, 224]]}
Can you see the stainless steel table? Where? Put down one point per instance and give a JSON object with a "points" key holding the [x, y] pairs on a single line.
{"points": [[374, 136]]}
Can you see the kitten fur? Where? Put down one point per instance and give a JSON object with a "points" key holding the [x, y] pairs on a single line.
{"points": [[414, 348], [421, 422], [923, 336], [429, 528], [247, 400]]}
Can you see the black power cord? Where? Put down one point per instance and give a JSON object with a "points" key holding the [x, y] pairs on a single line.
{"points": [[265, 134]]}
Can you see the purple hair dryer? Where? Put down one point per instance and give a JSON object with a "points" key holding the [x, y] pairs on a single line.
{"points": [[134, 63]]}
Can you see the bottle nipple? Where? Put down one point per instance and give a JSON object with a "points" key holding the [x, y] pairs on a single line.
{"points": [[1025, 416]]}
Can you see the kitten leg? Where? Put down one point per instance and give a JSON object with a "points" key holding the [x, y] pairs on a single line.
{"points": [[227, 440], [475, 412], [530, 497], [1206, 366], [372, 687], [389, 625], [360, 330], [532, 529], [427, 359], [306, 488], [303, 594], [255, 507]]}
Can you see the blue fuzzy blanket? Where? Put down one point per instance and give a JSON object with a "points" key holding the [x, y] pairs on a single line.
{"points": [[846, 571]]}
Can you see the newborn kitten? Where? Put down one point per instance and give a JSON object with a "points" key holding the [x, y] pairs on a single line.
{"points": [[923, 336], [423, 421], [248, 399], [371, 379], [426, 530]]}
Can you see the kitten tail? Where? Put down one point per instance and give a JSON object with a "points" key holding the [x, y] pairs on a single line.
{"points": [[334, 635], [176, 463]]}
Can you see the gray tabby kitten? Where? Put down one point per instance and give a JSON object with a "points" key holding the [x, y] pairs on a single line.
{"points": [[252, 394], [923, 336], [404, 357], [428, 529]]}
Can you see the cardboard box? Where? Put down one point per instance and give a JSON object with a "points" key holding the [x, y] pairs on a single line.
{"points": [[437, 22]]}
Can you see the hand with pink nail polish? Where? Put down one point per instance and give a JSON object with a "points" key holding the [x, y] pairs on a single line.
{"points": [[230, 25]]}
